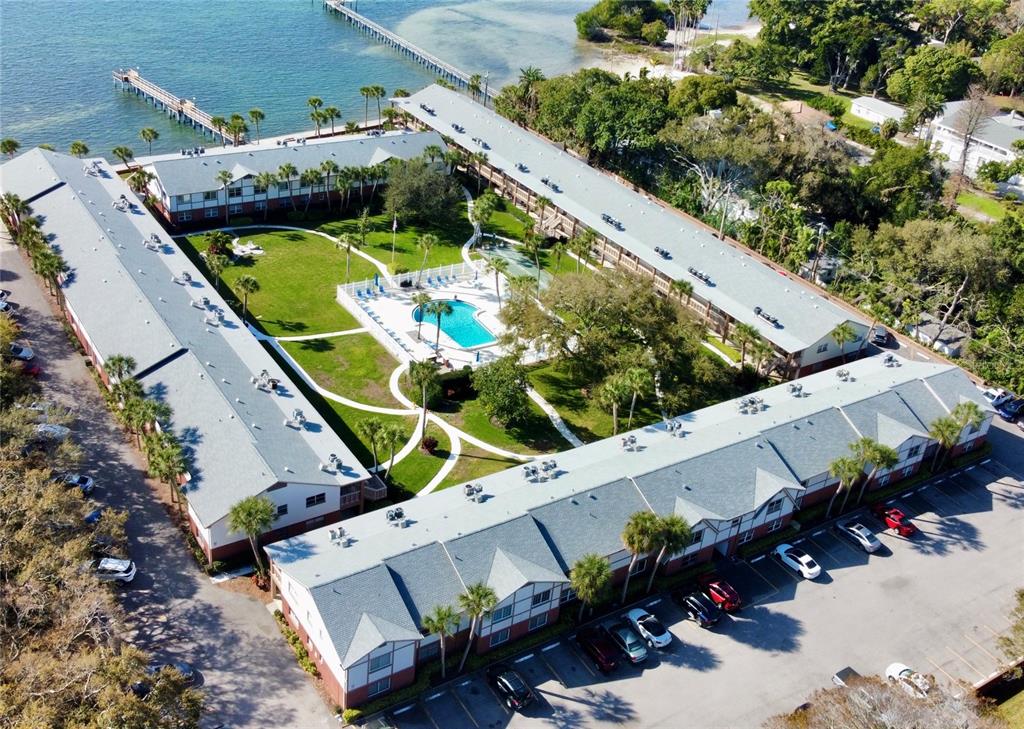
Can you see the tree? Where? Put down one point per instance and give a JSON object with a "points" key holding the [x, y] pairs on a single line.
{"points": [[245, 285], [390, 436], [285, 173], [672, 537], [119, 368], [332, 114], [366, 92], [379, 92], [847, 469], [219, 124], [654, 33], [610, 396], [166, 461], [843, 334], [744, 335], [502, 387], [149, 135], [423, 375], [139, 180], [420, 300], [256, 116], [542, 203], [973, 114], [419, 193], [263, 182], [442, 621], [940, 71], [310, 178], [1012, 643], [946, 433], [683, 288], [124, 154], [369, 429], [697, 95], [14, 211], [329, 167], [252, 516], [589, 578], [484, 208], [439, 309], [9, 146], [640, 536], [968, 414], [477, 601], [581, 246], [952, 20], [317, 118], [500, 268], [640, 381], [218, 242], [531, 247], [216, 264], [425, 242], [881, 458], [346, 241], [225, 178], [1003, 65], [79, 148]]}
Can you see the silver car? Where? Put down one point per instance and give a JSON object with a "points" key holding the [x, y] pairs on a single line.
{"points": [[108, 569], [859, 535], [627, 641]]}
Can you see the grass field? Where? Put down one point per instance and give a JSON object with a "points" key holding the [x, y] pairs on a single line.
{"points": [[416, 470], [726, 349], [537, 435], [509, 221], [350, 418], [355, 366], [1012, 711], [984, 205], [475, 463]]}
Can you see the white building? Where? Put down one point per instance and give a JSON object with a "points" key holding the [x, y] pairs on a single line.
{"points": [[992, 142], [875, 110]]}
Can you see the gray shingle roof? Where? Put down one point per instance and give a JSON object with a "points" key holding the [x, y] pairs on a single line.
{"points": [[952, 388], [184, 175], [989, 131], [425, 577], [810, 443], [885, 418], [740, 282], [920, 398]]}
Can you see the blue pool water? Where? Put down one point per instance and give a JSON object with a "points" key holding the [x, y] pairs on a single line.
{"points": [[461, 325]]}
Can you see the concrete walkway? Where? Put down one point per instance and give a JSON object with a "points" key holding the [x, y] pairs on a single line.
{"points": [[310, 337], [555, 418]]}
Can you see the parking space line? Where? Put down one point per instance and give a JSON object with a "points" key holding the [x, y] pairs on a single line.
{"points": [[465, 683], [983, 648], [653, 602], [969, 664], [944, 671], [818, 533], [987, 460], [438, 695], [527, 657], [405, 709], [758, 559], [549, 648], [584, 661], [460, 702], [554, 673], [497, 698]]}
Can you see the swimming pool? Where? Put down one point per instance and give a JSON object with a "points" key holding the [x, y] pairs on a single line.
{"points": [[461, 325]]}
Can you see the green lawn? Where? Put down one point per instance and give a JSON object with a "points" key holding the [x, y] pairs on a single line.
{"points": [[298, 274], [726, 349], [453, 233], [509, 221], [354, 366], [348, 430], [475, 463], [414, 471], [536, 435], [983, 204], [799, 87], [1012, 711]]}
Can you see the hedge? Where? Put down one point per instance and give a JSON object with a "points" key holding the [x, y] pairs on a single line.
{"points": [[301, 654]]}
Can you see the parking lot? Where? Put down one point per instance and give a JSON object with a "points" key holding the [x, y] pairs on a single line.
{"points": [[935, 601]]}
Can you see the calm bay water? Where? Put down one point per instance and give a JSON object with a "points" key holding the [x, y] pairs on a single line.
{"points": [[231, 55]]}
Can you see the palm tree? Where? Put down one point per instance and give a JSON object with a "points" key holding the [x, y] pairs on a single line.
{"points": [[421, 300], [425, 242], [946, 432], [581, 246], [438, 309], [531, 247], [139, 180], [318, 118], [390, 436], [744, 335], [640, 536], [166, 460], [329, 167], [880, 456], [237, 127], [264, 181], [761, 351], [968, 413], [252, 516], [346, 241], [442, 621], [500, 268], [610, 395], [379, 92], [423, 375], [529, 77], [681, 287], [479, 159], [590, 578], [216, 264], [369, 429], [432, 152], [149, 135], [843, 334], [219, 123], [246, 285], [49, 265], [366, 92], [14, 212], [478, 600], [310, 178], [474, 87], [401, 94], [285, 173], [558, 250], [331, 113], [640, 380], [378, 173], [674, 535], [256, 116], [119, 367], [123, 153], [79, 148], [314, 102], [343, 180], [9, 146], [847, 470], [225, 178], [542, 204], [351, 127]]}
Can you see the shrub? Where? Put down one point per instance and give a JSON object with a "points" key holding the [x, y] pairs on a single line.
{"points": [[350, 716], [429, 444], [301, 654], [295, 216], [831, 105], [241, 220]]}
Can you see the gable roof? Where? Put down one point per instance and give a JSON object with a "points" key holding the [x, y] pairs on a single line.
{"points": [[990, 131], [808, 444], [886, 418]]}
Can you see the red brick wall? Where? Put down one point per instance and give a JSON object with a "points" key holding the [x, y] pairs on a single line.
{"points": [[242, 545], [359, 696], [332, 683], [516, 631]]}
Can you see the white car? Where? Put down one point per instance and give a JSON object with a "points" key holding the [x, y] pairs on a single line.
{"points": [[996, 396], [860, 535], [20, 351], [108, 569], [798, 560], [649, 628], [909, 680]]}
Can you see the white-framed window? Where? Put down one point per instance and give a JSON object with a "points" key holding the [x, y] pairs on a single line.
{"points": [[283, 187], [184, 217], [907, 471], [235, 209], [212, 212], [541, 598], [538, 621], [775, 526], [210, 195], [913, 451], [698, 535], [688, 560], [774, 506], [883, 480], [316, 500], [500, 637], [502, 613], [745, 537], [379, 662], [379, 686], [258, 189], [735, 522], [566, 595], [282, 509], [234, 192], [430, 650], [822, 347], [260, 205], [639, 566], [181, 199]]}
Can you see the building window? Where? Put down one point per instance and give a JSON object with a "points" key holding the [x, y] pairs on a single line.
{"points": [[566, 595], [429, 651], [258, 189], [181, 199], [210, 195], [774, 506], [698, 536], [500, 637], [379, 687], [315, 522], [260, 205], [235, 209], [822, 347], [541, 597], [907, 471], [281, 510], [379, 662], [735, 522], [775, 526], [184, 217], [234, 192], [640, 566], [745, 537], [312, 501], [283, 187], [213, 212], [538, 621], [688, 560], [502, 613]]}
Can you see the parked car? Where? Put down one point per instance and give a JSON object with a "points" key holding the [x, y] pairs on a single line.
{"points": [[798, 560], [909, 680], [4, 294], [996, 396], [599, 647], [894, 519], [51, 432], [93, 517], [108, 569], [5, 307], [649, 628], [844, 676], [188, 672], [1010, 409], [510, 686], [85, 483], [699, 608], [628, 642], [859, 535], [880, 335], [20, 351], [721, 592]]}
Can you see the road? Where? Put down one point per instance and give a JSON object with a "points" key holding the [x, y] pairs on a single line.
{"points": [[249, 673]]}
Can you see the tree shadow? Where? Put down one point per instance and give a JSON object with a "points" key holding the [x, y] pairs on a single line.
{"points": [[685, 655], [288, 326], [765, 630], [317, 345]]}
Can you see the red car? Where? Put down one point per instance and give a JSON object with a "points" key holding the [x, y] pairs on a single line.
{"points": [[894, 519], [721, 592], [599, 648]]}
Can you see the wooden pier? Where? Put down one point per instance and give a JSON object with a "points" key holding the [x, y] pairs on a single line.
{"points": [[183, 110], [447, 71]]}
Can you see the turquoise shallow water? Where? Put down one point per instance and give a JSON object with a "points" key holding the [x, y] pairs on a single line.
{"points": [[231, 55], [461, 325]]}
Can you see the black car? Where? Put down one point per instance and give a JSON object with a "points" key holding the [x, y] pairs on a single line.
{"points": [[1009, 411], [699, 608], [879, 335], [510, 686]]}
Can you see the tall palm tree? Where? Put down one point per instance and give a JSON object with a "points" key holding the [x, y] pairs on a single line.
{"points": [[9, 146], [500, 267], [474, 86], [610, 395], [366, 92], [79, 148], [640, 380], [285, 173], [590, 578], [581, 246], [149, 135], [378, 173], [331, 114], [880, 456], [847, 469], [346, 241], [379, 92], [542, 203], [744, 335], [423, 375], [531, 246], [166, 460], [479, 159], [442, 621], [119, 367], [946, 432], [264, 181], [50, 265], [843, 334], [318, 118], [558, 250], [310, 178], [683, 288], [640, 536], [343, 182], [244, 286], [225, 178], [421, 300], [237, 127], [216, 264], [256, 116], [425, 242], [314, 102], [252, 516], [329, 167], [369, 429], [123, 153], [438, 309], [477, 601], [139, 180], [673, 536], [219, 123], [14, 212], [432, 152], [968, 413], [390, 436]]}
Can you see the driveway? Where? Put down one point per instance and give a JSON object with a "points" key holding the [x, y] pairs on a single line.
{"points": [[249, 674]]}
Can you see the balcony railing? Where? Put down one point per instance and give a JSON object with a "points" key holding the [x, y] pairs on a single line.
{"points": [[375, 490], [349, 500]]}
